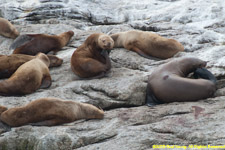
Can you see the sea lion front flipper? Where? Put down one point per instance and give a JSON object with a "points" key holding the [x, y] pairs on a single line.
{"points": [[151, 100], [204, 74], [46, 82], [51, 122], [143, 54], [20, 40]]}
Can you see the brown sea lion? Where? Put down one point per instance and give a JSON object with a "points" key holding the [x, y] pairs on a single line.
{"points": [[7, 29], [91, 59], [169, 82], [147, 44], [28, 77], [49, 112], [10, 63], [31, 44]]}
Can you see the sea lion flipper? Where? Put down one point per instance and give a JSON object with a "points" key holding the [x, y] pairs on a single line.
{"points": [[143, 54], [204, 74], [20, 40], [151, 100], [51, 122], [46, 82]]}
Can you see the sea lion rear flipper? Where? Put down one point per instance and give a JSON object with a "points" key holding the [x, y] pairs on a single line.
{"points": [[46, 82], [20, 40], [51, 122], [151, 100], [204, 74], [143, 54]]}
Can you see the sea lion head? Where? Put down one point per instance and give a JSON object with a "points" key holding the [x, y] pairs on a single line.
{"points": [[14, 33], [190, 64], [105, 42], [44, 58], [54, 61], [2, 109]]}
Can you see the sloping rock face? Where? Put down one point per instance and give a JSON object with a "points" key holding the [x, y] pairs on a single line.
{"points": [[128, 125]]}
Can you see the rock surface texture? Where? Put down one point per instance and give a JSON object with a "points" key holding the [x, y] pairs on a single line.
{"points": [[128, 124]]}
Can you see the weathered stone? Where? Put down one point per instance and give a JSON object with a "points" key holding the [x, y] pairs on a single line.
{"points": [[198, 25]]}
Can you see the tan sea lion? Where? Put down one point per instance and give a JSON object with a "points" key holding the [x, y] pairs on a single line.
{"points": [[169, 82], [91, 59], [49, 112], [147, 44], [28, 77], [10, 63], [7, 29], [31, 44]]}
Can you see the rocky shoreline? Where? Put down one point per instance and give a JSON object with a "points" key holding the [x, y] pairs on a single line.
{"points": [[128, 124]]}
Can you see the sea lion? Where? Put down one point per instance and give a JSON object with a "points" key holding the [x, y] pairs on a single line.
{"points": [[10, 63], [31, 44], [7, 29], [168, 83], [91, 59], [49, 112], [28, 77], [147, 44]]}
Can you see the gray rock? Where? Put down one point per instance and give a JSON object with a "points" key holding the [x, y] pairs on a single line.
{"points": [[128, 125]]}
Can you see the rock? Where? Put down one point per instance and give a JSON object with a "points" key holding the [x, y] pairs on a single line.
{"points": [[128, 124]]}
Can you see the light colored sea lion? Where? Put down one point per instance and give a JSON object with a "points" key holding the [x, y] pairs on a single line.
{"points": [[31, 44], [169, 82], [10, 63], [91, 59], [147, 44], [28, 77], [49, 112], [7, 29]]}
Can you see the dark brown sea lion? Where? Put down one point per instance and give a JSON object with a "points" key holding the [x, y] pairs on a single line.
{"points": [[91, 59], [10, 63], [147, 44], [49, 112], [7, 29], [28, 77], [169, 82], [31, 44]]}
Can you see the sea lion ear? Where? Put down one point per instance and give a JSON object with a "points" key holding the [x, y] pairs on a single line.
{"points": [[204, 74]]}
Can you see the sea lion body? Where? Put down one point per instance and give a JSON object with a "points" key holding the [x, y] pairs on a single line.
{"points": [[49, 112], [7, 29], [91, 59], [147, 44], [10, 63], [31, 44], [28, 77], [168, 83]]}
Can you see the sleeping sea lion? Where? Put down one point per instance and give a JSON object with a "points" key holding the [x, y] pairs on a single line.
{"points": [[49, 112], [169, 82], [31, 44], [147, 44], [28, 77]]}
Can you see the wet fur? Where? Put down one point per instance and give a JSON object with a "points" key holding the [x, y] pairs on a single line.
{"points": [[169, 82], [49, 112]]}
